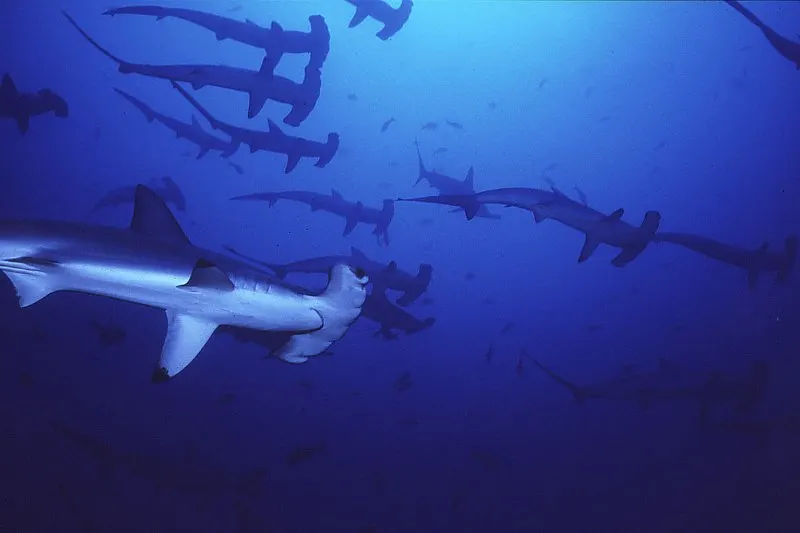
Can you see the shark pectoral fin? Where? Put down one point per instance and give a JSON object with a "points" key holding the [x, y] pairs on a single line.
{"points": [[292, 159], [538, 216], [589, 246], [350, 225], [186, 336], [358, 17], [202, 153], [152, 217], [30, 287], [258, 98], [207, 275]]}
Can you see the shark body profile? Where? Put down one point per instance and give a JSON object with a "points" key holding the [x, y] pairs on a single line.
{"points": [[153, 263], [783, 45], [20, 107], [597, 228], [393, 19]]}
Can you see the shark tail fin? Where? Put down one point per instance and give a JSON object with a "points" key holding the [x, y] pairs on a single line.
{"points": [[577, 392], [788, 261], [339, 306], [9, 92], [423, 279]]}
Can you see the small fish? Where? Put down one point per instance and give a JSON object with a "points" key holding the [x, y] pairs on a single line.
{"points": [[430, 126], [440, 150], [543, 82], [604, 118], [550, 167], [238, 168], [660, 145], [508, 327], [235, 8], [492, 105], [353, 97], [489, 355], [588, 92], [469, 276], [454, 125], [386, 125], [403, 383]]}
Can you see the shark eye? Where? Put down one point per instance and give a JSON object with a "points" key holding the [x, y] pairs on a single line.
{"points": [[359, 272]]}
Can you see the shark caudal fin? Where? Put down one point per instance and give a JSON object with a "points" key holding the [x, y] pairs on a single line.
{"points": [[787, 264], [577, 392], [421, 282], [339, 306]]}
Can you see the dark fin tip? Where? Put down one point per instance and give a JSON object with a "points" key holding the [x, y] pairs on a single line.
{"points": [[359, 272], [160, 375]]}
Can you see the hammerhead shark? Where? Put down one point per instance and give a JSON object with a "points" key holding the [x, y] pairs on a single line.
{"points": [[153, 263], [447, 185], [598, 228], [165, 187], [668, 382], [753, 261], [191, 131], [784, 46], [20, 107], [353, 212], [261, 85], [392, 19], [381, 275], [275, 41], [274, 140]]}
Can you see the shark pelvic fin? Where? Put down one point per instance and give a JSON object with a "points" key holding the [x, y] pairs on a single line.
{"points": [[207, 275], [152, 217], [186, 336]]}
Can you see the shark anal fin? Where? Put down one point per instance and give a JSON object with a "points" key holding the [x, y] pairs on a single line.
{"points": [[152, 217], [186, 336], [589, 246], [207, 275]]}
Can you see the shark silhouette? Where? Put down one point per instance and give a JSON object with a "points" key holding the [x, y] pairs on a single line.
{"points": [[784, 46], [274, 140], [191, 131], [20, 107], [275, 41], [165, 187], [392, 19], [753, 261], [354, 213], [597, 228]]}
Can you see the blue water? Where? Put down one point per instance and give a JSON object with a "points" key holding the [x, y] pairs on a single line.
{"points": [[683, 108]]}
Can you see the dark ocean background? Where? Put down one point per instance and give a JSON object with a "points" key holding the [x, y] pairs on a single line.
{"points": [[680, 107]]}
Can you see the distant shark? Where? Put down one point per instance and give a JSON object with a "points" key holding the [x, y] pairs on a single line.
{"points": [[192, 131], [20, 107], [274, 140], [598, 228], [785, 47], [670, 383], [392, 19], [381, 275], [154, 264], [753, 261], [275, 41], [164, 187], [354, 213], [447, 185], [261, 85]]}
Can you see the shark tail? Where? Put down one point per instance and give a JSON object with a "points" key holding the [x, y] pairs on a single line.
{"points": [[788, 261], [339, 306], [124, 67], [9, 93], [423, 279], [577, 392], [746, 13]]}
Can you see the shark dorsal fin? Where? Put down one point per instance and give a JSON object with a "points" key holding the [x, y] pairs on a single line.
{"points": [[152, 217], [276, 28], [207, 275], [469, 181], [274, 128], [8, 87], [355, 252], [391, 267], [616, 215], [359, 206], [336, 194]]}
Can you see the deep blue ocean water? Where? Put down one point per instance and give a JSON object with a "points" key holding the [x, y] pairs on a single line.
{"points": [[680, 107]]}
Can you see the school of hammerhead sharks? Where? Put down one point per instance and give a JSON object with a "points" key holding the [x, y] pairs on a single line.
{"points": [[154, 263]]}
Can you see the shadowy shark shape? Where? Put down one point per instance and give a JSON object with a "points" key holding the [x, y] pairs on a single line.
{"points": [[785, 47], [392, 19], [753, 261], [192, 131], [275, 41], [164, 187], [20, 107], [447, 185], [274, 140], [261, 85], [382, 276], [353, 213], [763, 429], [598, 228], [153, 263], [669, 383]]}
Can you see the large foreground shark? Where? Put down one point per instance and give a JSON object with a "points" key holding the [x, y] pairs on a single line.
{"points": [[275, 41], [261, 85], [353, 212], [598, 228], [785, 47], [393, 19], [153, 263], [753, 261], [274, 140], [20, 107], [191, 131]]}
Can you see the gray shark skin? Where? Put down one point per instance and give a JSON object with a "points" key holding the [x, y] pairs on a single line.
{"points": [[784, 46], [447, 185], [260, 85], [191, 131], [669, 383], [275, 41], [392, 19], [382, 276], [274, 140], [164, 187], [598, 228], [153, 263], [353, 213], [753, 261], [20, 107]]}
